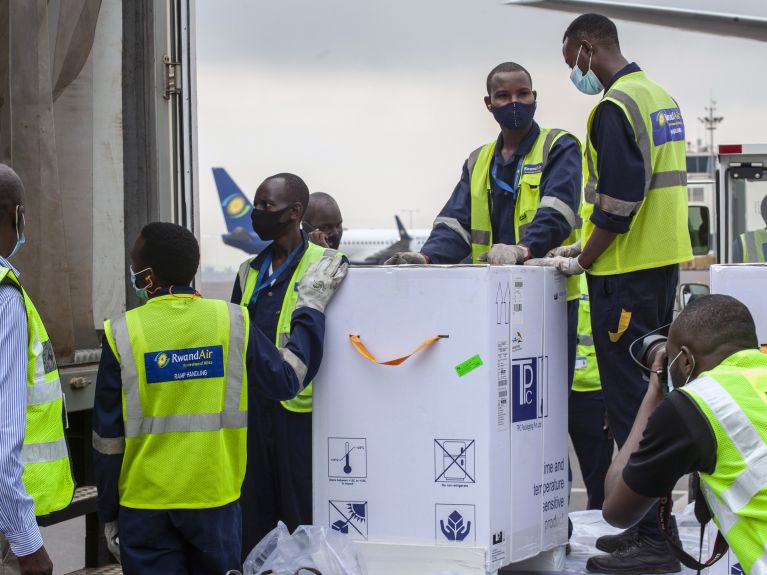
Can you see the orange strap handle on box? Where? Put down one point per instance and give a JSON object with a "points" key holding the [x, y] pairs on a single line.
{"points": [[364, 352]]}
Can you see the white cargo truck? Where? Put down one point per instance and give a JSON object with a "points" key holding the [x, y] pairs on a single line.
{"points": [[97, 116]]}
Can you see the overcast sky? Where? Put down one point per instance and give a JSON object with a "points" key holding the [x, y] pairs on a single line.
{"points": [[378, 103]]}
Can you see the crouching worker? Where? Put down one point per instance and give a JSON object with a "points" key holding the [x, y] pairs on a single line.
{"points": [[171, 409], [714, 423]]}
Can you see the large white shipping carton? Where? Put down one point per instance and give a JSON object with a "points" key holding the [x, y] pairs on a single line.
{"points": [[454, 452], [746, 283]]}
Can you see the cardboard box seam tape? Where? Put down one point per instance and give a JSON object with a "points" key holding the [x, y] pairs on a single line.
{"points": [[364, 352]]}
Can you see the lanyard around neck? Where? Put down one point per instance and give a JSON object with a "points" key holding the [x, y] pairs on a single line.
{"points": [[503, 185], [265, 279]]}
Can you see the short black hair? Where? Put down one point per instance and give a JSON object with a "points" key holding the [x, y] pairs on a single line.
{"points": [[11, 191], [171, 251], [297, 189], [507, 67], [595, 27], [716, 320]]}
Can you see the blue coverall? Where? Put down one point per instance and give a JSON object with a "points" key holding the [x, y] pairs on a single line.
{"points": [[278, 481]]}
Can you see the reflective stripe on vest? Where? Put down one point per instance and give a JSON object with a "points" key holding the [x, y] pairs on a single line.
{"points": [[658, 234], [754, 244], [528, 197], [47, 475], [731, 398], [248, 277]]}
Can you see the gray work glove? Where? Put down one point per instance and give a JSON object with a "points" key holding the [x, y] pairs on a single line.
{"points": [[568, 266], [503, 254], [113, 539], [406, 258], [571, 251], [320, 282]]}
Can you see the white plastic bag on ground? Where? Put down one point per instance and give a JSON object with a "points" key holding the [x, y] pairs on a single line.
{"points": [[310, 550]]}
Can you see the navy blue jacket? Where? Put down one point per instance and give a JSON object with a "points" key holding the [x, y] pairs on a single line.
{"points": [[619, 161], [561, 178]]}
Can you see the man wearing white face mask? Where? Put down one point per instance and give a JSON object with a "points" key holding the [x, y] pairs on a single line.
{"points": [[634, 237], [712, 424], [33, 481]]}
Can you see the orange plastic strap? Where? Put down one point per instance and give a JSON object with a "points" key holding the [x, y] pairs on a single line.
{"points": [[364, 352]]}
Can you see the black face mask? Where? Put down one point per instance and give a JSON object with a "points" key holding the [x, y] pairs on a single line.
{"points": [[333, 241], [269, 225]]}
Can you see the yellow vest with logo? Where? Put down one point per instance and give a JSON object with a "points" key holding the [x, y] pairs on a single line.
{"points": [[528, 197], [658, 234], [185, 402], [47, 475], [586, 377], [753, 246], [733, 398], [248, 278]]}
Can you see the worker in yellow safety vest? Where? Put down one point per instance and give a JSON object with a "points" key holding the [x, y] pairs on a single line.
{"points": [[171, 408], [518, 195], [35, 471], [587, 420], [278, 482], [751, 246], [714, 423], [634, 237]]}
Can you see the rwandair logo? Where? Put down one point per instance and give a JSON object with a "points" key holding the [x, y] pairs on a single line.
{"points": [[236, 206], [162, 359]]}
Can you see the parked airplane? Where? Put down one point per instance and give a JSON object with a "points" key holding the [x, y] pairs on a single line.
{"points": [[362, 246], [694, 20]]}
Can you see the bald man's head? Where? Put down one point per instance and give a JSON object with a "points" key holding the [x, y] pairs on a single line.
{"points": [[323, 214], [11, 209]]}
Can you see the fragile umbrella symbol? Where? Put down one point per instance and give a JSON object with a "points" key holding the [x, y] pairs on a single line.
{"points": [[455, 530]]}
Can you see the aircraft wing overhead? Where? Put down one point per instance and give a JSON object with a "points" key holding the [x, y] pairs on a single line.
{"points": [[719, 23]]}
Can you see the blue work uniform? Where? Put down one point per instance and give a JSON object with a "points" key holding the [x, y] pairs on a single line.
{"points": [[278, 479], [189, 540], [647, 294], [561, 179]]}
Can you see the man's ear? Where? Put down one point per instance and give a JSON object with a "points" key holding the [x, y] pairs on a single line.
{"points": [[535, 95], [487, 102], [296, 211]]}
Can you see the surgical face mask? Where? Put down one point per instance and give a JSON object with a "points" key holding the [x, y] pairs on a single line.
{"points": [[20, 239], [587, 83], [141, 293], [514, 116], [671, 370], [269, 225]]}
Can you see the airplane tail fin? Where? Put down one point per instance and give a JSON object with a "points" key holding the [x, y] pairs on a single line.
{"points": [[235, 205], [403, 235]]}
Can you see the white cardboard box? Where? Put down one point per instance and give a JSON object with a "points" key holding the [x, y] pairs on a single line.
{"points": [[746, 283], [445, 454]]}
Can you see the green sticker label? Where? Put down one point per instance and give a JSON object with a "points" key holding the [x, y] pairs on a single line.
{"points": [[469, 365]]}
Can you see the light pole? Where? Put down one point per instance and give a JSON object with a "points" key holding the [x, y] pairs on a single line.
{"points": [[710, 123]]}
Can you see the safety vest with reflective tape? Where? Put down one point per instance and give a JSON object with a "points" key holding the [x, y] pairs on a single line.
{"points": [[658, 234], [47, 475], [753, 246], [586, 377], [248, 278], [733, 398], [184, 402], [528, 197]]}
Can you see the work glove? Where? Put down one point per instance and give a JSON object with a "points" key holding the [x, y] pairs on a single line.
{"points": [[113, 539], [502, 254], [320, 282], [571, 251], [406, 258], [568, 266]]}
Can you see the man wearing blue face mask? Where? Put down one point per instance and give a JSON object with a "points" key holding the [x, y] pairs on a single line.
{"points": [[518, 195], [634, 237]]}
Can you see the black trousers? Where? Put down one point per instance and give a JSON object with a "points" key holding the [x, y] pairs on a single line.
{"points": [[593, 445], [625, 307], [278, 479]]}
